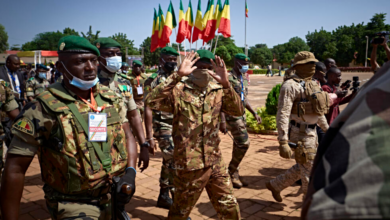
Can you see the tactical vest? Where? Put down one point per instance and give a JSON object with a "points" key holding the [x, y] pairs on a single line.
{"points": [[69, 163]]}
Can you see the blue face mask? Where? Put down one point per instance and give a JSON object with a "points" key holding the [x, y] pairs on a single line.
{"points": [[79, 83], [113, 63], [42, 75], [244, 68]]}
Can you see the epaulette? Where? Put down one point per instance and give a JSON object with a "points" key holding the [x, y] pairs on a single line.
{"points": [[153, 76], [30, 79], [4, 83], [107, 93], [50, 98]]}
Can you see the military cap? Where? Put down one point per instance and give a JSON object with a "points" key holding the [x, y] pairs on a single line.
{"points": [[76, 44], [125, 64], [137, 62], [205, 55], [41, 66], [169, 51], [304, 57], [241, 56], [106, 42]]}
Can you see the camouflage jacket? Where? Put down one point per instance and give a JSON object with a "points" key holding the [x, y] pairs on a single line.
{"points": [[136, 83], [196, 119], [120, 84], [239, 84], [35, 86], [162, 121], [7, 100], [351, 170], [69, 162]]}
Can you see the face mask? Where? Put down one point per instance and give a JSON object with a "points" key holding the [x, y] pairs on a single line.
{"points": [[124, 71], [42, 75], [113, 63], [169, 66], [244, 68], [305, 71], [200, 77], [79, 83]]}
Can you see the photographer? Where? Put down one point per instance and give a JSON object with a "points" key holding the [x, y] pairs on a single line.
{"points": [[374, 65]]}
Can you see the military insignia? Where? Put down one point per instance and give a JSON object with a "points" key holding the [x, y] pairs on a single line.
{"points": [[62, 46], [98, 45], [246, 59], [24, 125]]}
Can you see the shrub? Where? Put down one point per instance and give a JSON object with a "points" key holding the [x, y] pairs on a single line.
{"points": [[264, 71], [268, 121], [271, 103]]}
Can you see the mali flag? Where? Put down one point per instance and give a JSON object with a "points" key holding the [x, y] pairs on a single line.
{"points": [[211, 23], [190, 21], [218, 13], [246, 9], [156, 23], [161, 27], [198, 28], [183, 25], [169, 24], [224, 26]]}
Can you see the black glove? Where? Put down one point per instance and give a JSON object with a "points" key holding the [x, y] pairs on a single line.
{"points": [[129, 179]]}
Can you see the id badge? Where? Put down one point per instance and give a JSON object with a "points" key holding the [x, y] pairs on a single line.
{"points": [[97, 127], [242, 96], [140, 91]]}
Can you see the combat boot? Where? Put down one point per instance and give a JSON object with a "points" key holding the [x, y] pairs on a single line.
{"points": [[236, 180], [164, 201], [275, 193], [243, 182]]}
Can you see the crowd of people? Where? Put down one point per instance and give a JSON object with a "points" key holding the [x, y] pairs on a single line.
{"points": [[85, 120]]}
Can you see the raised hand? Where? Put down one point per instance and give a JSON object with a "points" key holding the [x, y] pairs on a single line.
{"points": [[187, 66], [221, 74]]}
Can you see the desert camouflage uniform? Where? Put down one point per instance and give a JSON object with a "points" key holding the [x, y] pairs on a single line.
{"points": [[139, 99], [35, 86], [76, 183], [120, 84], [237, 124], [351, 169], [197, 156], [162, 131], [290, 92], [7, 104], [288, 73]]}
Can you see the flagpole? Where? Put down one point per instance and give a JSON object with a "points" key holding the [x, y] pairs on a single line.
{"points": [[211, 45], [246, 52], [216, 42], [192, 34], [178, 46]]}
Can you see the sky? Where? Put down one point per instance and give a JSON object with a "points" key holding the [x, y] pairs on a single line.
{"points": [[271, 22]]}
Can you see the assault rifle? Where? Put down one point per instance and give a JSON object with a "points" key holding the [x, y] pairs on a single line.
{"points": [[118, 212]]}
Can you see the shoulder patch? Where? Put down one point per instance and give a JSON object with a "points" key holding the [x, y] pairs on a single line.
{"points": [[153, 76], [24, 125]]}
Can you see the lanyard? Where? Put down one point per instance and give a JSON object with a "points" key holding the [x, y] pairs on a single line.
{"points": [[138, 80], [93, 104], [242, 88], [12, 77]]}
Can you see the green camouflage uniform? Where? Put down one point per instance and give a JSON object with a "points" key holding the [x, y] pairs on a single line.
{"points": [[139, 99], [36, 86], [7, 104], [76, 182], [197, 156], [350, 178], [120, 84], [162, 131], [237, 124]]}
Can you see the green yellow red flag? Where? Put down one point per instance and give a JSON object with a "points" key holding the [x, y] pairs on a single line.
{"points": [[169, 24], [198, 27], [161, 16], [211, 26], [190, 20], [224, 26], [218, 12], [183, 25], [246, 9], [154, 41]]}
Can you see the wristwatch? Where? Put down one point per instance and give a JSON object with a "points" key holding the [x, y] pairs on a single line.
{"points": [[146, 144]]}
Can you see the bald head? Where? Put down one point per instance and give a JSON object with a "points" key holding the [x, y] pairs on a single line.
{"points": [[12, 62], [329, 63]]}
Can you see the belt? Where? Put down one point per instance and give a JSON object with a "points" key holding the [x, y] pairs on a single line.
{"points": [[296, 124]]}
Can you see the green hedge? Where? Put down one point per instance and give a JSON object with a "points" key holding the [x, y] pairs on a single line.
{"points": [[268, 121], [264, 71], [271, 103]]}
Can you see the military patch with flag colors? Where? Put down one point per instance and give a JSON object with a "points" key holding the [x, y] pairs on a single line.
{"points": [[24, 125]]}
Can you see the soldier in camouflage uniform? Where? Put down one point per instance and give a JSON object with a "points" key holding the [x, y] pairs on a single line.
{"points": [[110, 62], [76, 172], [162, 126], [137, 79], [37, 84], [351, 168], [237, 125], [196, 102], [298, 115], [125, 68]]}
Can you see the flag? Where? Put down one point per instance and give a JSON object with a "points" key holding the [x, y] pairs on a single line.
{"points": [[211, 26], [224, 26], [198, 28], [246, 9], [190, 20], [218, 13], [161, 27], [169, 24], [183, 25], [154, 42]]}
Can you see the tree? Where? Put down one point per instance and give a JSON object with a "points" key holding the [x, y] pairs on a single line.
{"points": [[15, 47], [69, 31], [285, 52], [223, 53], [3, 39], [317, 42], [44, 41], [90, 36], [150, 58], [121, 38], [262, 56]]}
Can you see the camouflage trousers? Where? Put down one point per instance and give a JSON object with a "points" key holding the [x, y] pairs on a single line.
{"points": [[140, 108], [77, 210], [237, 127], [165, 143], [189, 186], [298, 171]]}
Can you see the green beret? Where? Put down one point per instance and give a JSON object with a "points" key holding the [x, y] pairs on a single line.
{"points": [[125, 64], [41, 66], [76, 44], [106, 42], [241, 56], [169, 51], [137, 62], [205, 55]]}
